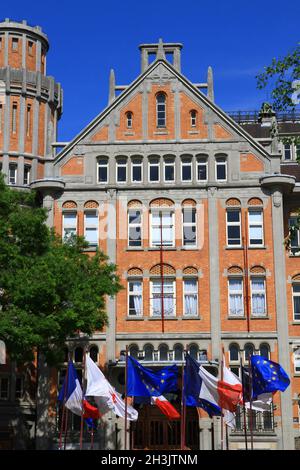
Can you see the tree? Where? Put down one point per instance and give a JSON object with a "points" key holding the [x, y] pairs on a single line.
{"points": [[49, 289]]}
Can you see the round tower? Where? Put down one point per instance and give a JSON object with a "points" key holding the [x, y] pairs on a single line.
{"points": [[30, 103]]}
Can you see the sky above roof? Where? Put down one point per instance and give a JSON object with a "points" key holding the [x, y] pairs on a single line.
{"points": [[89, 38]]}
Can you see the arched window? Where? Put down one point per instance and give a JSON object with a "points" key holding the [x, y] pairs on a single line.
{"points": [[193, 115], [178, 352], [78, 354], [249, 351], [161, 110], [148, 349], [129, 119], [133, 351], [234, 353], [193, 351], [264, 350], [94, 353], [163, 352]]}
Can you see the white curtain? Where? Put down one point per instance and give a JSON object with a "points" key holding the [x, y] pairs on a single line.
{"points": [[235, 297], [258, 298], [190, 297], [137, 297], [168, 296]]}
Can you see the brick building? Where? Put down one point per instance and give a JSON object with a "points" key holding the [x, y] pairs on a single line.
{"points": [[192, 204]]}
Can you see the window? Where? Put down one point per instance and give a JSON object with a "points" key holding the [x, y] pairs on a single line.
{"points": [[136, 170], [163, 295], [1, 117], [129, 119], [186, 169], [202, 169], [264, 351], [14, 118], [91, 227], [12, 173], [154, 170], [178, 352], [234, 353], [295, 236], [30, 47], [169, 169], [297, 360], [19, 387], [162, 228], [194, 351], [248, 351], [4, 388], [135, 298], [233, 227], [258, 296], [148, 352], [296, 301], [287, 151], [15, 44], [103, 170], [69, 224], [193, 115], [94, 353], [134, 227], [26, 175], [28, 120], [236, 302], [163, 352], [255, 219], [189, 226], [121, 170], [221, 164], [190, 295], [133, 351], [161, 110], [78, 355]]}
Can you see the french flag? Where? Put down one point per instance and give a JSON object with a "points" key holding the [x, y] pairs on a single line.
{"points": [[165, 407], [226, 393]]}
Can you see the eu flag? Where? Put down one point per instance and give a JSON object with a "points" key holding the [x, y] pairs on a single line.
{"points": [[144, 382], [267, 376], [192, 387]]}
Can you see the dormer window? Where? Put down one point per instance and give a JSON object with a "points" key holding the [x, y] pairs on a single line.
{"points": [[161, 110], [129, 120], [193, 115]]}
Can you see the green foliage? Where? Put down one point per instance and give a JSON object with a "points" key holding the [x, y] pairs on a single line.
{"points": [[49, 290], [283, 72]]}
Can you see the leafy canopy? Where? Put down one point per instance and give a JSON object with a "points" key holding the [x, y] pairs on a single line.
{"points": [[49, 290]]}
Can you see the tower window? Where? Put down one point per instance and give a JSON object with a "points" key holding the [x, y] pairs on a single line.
{"points": [[14, 117], [161, 110], [193, 115], [26, 174], [103, 170], [28, 120], [15, 44], [12, 173], [129, 119], [30, 47], [221, 169]]}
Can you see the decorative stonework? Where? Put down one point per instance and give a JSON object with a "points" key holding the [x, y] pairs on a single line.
{"points": [[233, 202], [135, 272], [189, 202], [161, 202], [255, 201], [91, 205], [167, 270], [190, 270], [235, 270], [69, 205], [134, 203], [257, 270]]}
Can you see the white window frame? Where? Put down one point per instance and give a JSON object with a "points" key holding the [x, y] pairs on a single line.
{"points": [[187, 163], [287, 148], [12, 178], [133, 294], [95, 227], [129, 120], [173, 281], [130, 225], [218, 162], [201, 161], [235, 224], [137, 163], [28, 119], [161, 126], [65, 226], [14, 112], [193, 118], [121, 165], [192, 293], [294, 249], [232, 361], [235, 292], [170, 163], [189, 224], [296, 360], [15, 44], [27, 171], [151, 227], [258, 291], [295, 294], [103, 165], [21, 378], [157, 164], [256, 224]]}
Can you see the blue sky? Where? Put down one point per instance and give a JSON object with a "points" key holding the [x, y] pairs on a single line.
{"points": [[88, 38]]}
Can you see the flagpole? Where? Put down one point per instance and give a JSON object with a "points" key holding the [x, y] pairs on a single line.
{"points": [[183, 412], [62, 426], [66, 428], [251, 417], [162, 277], [126, 371], [244, 408], [222, 418], [227, 439], [245, 252], [83, 392]]}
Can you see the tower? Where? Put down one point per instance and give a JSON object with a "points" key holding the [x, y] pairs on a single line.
{"points": [[30, 103]]}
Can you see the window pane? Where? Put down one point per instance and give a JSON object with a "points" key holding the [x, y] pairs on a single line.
{"points": [[134, 217], [189, 215], [202, 173], [189, 235], [186, 172], [234, 237], [121, 173], [169, 173], [255, 216], [233, 216], [221, 171], [102, 174], [297, 307], [256, 235], [154, 173], [134, 236], [91, 219], [137, 173]]}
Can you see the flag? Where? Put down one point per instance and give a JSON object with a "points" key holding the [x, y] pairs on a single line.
{"points": [[267, 376], [165, 407], [192, 386], [105, 396], [71, 394], [220, 393], [90, 411], [144, 382], [260, 402]]}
